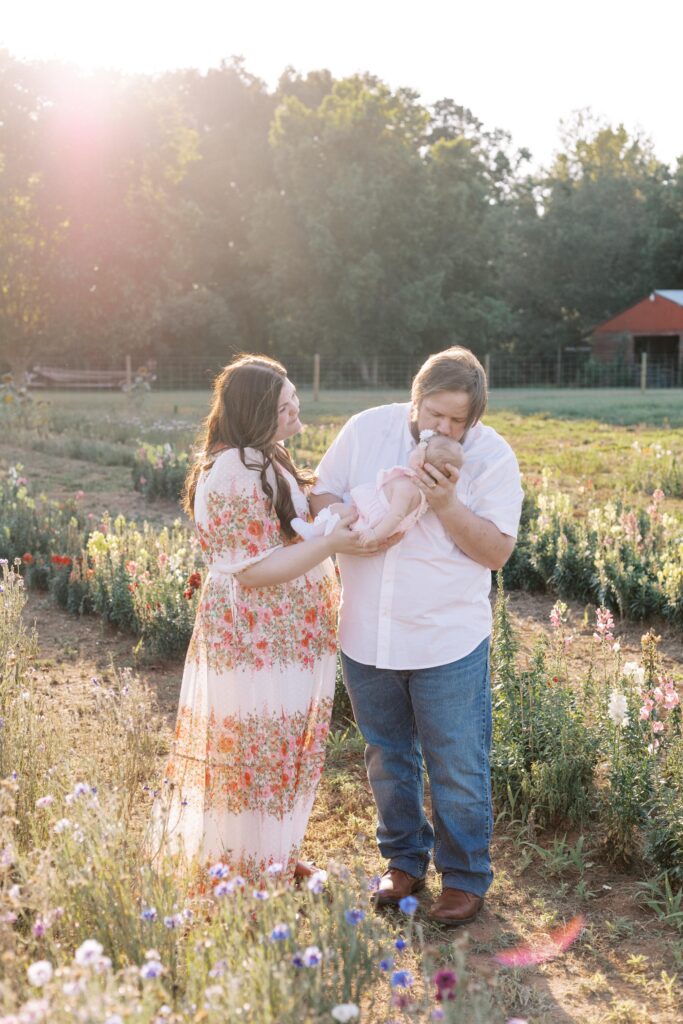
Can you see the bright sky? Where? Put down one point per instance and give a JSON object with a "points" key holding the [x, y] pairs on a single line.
{"points": [[520, 66]]}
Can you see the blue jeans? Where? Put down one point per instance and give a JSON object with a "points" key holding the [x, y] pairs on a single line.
{"points": [[443, 713]]}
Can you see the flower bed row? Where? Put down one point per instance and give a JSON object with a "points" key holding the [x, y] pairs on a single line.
{"points": [[628, 559]]}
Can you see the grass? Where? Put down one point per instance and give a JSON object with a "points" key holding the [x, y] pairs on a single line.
{"points": [[620, 406]]}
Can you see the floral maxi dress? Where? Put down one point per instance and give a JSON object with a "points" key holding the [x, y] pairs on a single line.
{"points": [[257, 688]]}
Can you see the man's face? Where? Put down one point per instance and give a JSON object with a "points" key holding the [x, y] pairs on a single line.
{"points": [[445, 412]]}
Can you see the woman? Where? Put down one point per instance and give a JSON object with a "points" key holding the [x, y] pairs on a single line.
{"points": [[259, 677]]}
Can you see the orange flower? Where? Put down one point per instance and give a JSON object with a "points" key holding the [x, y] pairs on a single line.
{"points": [[27, 559]]}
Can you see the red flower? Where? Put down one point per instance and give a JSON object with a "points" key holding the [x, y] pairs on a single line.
{"points": [[187, 594], [27, 559], [195, 580]]}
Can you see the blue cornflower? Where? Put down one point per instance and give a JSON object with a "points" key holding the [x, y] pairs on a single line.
{"points": [[224, 889], [354, 916], [261, 894], [408, 905], [173, 921], [312, 956], [298, 960], [152, 969], [149, 914], [219, 870], [401, 979], [400, 943], [386, 965], [218, 969], [280, 932]]}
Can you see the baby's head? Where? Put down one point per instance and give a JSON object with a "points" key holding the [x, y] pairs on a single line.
{"points": [[441, 451]]}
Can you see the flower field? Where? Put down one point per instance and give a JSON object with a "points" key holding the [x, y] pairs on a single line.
{"points": [[585, 918]]}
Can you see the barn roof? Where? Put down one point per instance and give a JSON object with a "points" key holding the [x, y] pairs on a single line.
{"points": [[660, 313]]}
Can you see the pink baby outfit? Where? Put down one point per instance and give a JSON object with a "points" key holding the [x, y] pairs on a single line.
{"points": [[372, 503]]}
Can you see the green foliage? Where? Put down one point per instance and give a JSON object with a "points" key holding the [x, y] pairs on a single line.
{"points": [[159, 471]]}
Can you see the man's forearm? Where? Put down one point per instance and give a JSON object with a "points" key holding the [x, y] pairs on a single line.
{"points": [[478, 538], [317, 502]]}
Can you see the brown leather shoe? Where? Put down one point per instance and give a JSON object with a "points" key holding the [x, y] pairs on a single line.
{"points": [[394, 885], [455, 907]]}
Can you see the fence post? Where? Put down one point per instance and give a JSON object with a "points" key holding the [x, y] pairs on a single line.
{"points": [[558, 370], [316, 377], [129, 373], [487, 368], [643, 371]]}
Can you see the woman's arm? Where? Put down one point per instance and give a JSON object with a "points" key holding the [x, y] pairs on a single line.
{"points": [[287, 563]]}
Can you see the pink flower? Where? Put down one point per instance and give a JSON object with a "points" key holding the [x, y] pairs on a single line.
{"points": [[658, 495], [671, 699], [644, 713], [658, 726]]}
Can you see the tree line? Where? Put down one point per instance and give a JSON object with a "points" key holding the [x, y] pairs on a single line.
{"points": [[202, 213]]}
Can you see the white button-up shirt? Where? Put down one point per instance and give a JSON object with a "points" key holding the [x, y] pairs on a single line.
{"points": [[423, 602]]}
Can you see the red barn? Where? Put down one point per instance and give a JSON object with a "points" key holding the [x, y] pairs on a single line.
{"points": [[653, 326]]}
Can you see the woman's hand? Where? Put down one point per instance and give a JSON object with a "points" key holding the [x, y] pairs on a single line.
{"points": [[438, 489]]}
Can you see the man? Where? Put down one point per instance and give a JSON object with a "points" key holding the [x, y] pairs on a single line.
{"points": [[415, 627]]}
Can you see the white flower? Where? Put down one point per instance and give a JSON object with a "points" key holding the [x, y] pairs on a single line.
{"points": [[316, 882], [39, 973], [345, 1012], [617, 709], [632, 670], [88, 952], [45, 801], [61, 825], [33, 1011], [114, 1018]]}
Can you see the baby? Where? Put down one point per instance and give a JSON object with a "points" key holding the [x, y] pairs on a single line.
{"points": [[394, 502]]}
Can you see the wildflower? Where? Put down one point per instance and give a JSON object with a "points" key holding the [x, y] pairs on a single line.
{"points": [[61, 825], [44, 801], [658, 726], [617, 709], [312, 956], [39, 928], [408, 905], [445, 981], [401, 979], [316, 883], [88, 952], [218, 969], [27, 558], [224, 889], [344, 1012], [33, 1011], [275, 869], [113, 1018], [151, 969], [373, 883], [354, 916], [39, 973], [149, 914], [298, 960], [400, 944], [260, 894], [558, 614], [280, 932], [173, 920], [386, 965]]}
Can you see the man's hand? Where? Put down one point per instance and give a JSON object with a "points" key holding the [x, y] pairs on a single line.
{"points": [[438, 489]]}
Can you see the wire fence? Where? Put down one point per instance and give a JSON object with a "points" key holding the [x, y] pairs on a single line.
{"points": [[322, 374]]}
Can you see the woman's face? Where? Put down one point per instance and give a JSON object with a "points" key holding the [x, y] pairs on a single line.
{"points": [[445, 412], [288, 422]]}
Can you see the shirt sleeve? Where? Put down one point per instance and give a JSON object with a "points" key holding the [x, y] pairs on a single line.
{"points": [[497, 494], [237, 526], [335, 468]]}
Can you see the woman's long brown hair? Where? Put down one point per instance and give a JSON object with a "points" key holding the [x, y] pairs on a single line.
{"points": [[244, 414]]}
